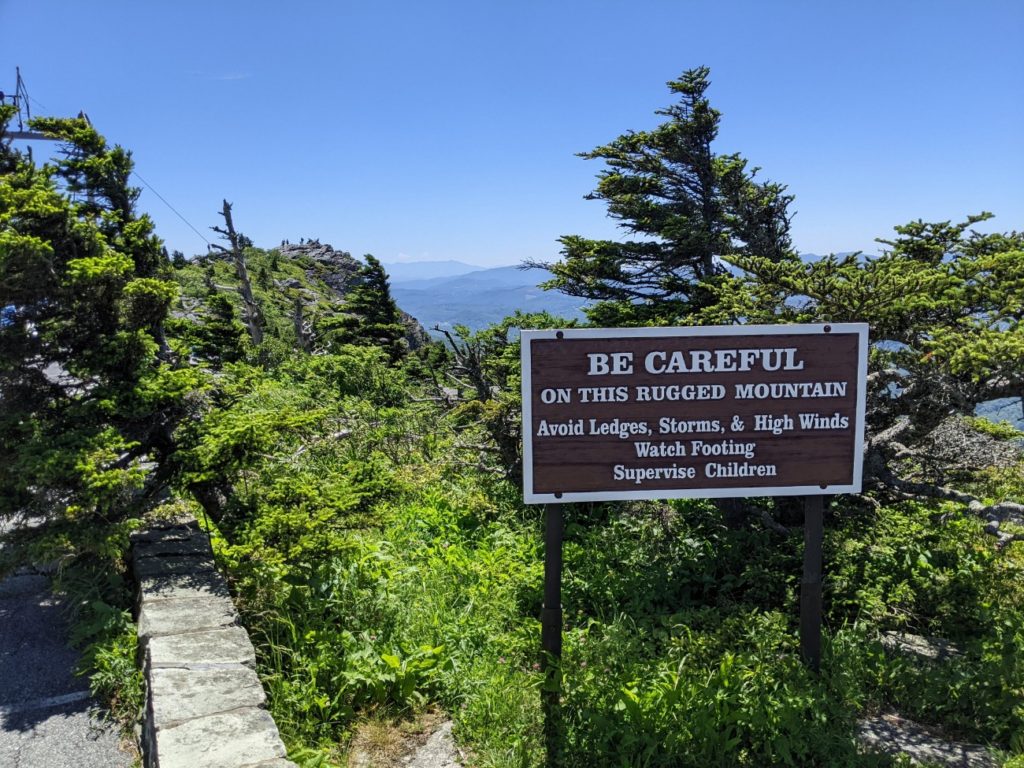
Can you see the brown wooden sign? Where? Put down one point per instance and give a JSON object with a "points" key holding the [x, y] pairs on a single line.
{"points": [[646, 413]]}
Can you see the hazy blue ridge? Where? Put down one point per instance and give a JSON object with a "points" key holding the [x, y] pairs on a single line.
{"points": [[478, 299], [402, 271], [495, 277]]}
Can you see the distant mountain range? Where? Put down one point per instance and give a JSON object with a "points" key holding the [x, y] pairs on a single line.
{"points": [[448, 293], [405, 271]]}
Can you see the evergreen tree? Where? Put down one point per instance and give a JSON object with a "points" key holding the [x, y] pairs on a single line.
{"points": [[686, 206], [86, 378], [221, 338], [945, 307], [369, 315]]}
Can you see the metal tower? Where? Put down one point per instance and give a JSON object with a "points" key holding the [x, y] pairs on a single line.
{"points": [[20, 101]]}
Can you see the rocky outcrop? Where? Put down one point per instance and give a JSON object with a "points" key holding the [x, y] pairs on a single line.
{"points": [[955, 443], [323, 265], [338, 269], [415, 334], [924, 648]]}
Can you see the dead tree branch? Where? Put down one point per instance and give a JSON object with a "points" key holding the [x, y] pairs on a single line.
{"points": [[253, 315]]}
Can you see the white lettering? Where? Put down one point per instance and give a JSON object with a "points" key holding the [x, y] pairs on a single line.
{"points": [[735, 469], [640, 474], [570, 428], [818, 421], [669, 426], [615, 364], [716, 361], [619, 428], [598, 364], [650, 366], [549, 396], [784, 390]]}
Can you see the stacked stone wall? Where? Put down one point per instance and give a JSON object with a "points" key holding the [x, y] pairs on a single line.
{"points": [[205, 706]]}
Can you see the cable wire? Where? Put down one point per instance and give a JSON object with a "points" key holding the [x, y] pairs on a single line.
{"points": [[189, 223]]}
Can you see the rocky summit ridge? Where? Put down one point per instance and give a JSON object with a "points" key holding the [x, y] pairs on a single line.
{"points": [[309, 275], [337, 269]]}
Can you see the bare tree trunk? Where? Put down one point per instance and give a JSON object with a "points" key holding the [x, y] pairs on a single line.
{"points": [[303, 331], [253, 316]]}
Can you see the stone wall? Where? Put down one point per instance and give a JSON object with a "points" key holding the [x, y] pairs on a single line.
{"points": [[205, 706]]}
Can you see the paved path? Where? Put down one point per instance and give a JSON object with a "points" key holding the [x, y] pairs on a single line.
{"points": [[45, 719]]}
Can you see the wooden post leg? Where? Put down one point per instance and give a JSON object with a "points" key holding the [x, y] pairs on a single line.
{"points": [[551, 634], [810, 585]]}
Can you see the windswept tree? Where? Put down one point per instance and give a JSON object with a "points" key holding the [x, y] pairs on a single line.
{"points": [[683, 205], [369, 315], [220, 338], [87, 382], [945, 307]]}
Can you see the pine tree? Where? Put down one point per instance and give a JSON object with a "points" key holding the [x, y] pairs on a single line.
{"points": [[686, 206], [945, 308], [87, 379], [221, 338], [369, 315]]}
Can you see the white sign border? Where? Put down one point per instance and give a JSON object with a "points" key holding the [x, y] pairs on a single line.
{"points": [[808, 329]]}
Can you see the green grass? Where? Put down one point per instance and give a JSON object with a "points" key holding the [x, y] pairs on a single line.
{"points": [[381, 574], [680, 637]]}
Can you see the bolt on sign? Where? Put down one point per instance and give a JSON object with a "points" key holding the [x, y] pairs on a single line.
{"points": [[716, 411]]}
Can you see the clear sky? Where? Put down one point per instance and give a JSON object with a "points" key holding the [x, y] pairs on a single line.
{"points": [[447, 130]]}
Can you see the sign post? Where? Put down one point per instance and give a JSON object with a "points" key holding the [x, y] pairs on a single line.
{"points": [[707, 412], [810, 584], [551, 630]]}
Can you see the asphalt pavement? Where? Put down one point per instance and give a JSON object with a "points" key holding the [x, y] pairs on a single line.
{"points": [[46, 713]]}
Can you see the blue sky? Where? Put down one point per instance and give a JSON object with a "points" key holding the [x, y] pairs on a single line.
{"points": [[448, 130]]}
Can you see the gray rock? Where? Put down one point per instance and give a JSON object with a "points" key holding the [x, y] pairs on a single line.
{"points": [[197, 545], [185, 694], [893, 735], [229, 645], [167, 530], [438, 752], [226, 740], [175, 586], [174, 564], [957, 443], [928, 648], [204, 701], [186, 614]]}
